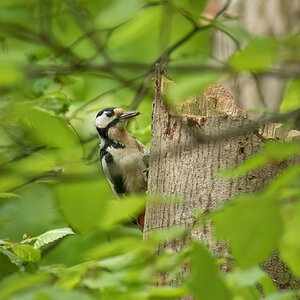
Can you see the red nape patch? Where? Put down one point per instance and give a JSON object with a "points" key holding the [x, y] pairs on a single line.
{"points": [[141, 219]]}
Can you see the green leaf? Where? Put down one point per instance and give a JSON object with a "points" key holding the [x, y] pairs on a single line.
{"points": [[116, 12], [119, 262], [123, 210], [250, 164], [84, 203], [143, 40], [40, 84], [273, 152], [191, 84], [47, 128], [246, 277], [167, 292], [195, 7], [32, 213], [9, 195], [289, 245], [250, 277], [205, 281], [268, 285], [157, 237], [10, 74], [239, 34], [291, 99], [51, 236], [190, 54], [288, 295], [256, 57], [252, 224], [27, 252], [72, 276], [15, 259], [286, 182], [137, 39], [15, 283], [56, 101], [6, 266]]}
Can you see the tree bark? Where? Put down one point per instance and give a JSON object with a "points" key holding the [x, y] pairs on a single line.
{"points": [[273, 18], [187, 153]]}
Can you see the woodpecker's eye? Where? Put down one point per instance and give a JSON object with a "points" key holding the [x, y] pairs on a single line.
{"points": [[109, 114]]}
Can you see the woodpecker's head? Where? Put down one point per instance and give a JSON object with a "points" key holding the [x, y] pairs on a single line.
{"points": [[112, 119]]}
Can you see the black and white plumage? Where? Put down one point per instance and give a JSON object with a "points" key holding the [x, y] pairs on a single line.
{"points": [[124, 159]]}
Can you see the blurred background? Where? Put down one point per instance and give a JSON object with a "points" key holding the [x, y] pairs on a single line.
{"points": [[62, 61]]}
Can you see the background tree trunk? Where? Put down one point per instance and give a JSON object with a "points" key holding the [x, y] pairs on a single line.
{"points": [[273, 18], [185, 162]]}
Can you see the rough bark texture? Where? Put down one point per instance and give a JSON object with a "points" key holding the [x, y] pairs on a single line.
{"points": [[185, 162]]}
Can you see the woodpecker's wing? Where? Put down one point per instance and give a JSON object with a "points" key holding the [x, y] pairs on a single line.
{"points": [[145, 152], [112, 173]]}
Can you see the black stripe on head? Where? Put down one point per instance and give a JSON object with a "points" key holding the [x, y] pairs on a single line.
{"points": [[103, 132], [100, 113]]}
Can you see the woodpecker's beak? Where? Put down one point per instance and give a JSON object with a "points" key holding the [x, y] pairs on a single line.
{"points": [[129, 114]]}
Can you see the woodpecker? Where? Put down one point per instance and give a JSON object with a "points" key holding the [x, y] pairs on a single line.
{"points": [[123, 158]]}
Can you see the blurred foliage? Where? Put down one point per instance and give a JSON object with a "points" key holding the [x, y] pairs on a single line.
{"points": [[60, 63]]}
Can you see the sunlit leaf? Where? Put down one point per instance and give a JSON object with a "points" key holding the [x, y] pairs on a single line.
{"points": [[47, 128], [143, 39], [116, 12], [190, 54], [50, 292], [256, 57], [123, 210], [119, 262], [160, 236], [17, 282], [239, 34], [246, 277], [72, 276], [195, 7], [251, 277], [138, 38], [51, 236], [27, 252], [10, 74], [167, 292], [273, 152], [253, 226], [191, 84], [287, 295], [290, 243], [9, 195], [84, 203], [287, 180], [34, 212], [205, 282], [291, 100]]}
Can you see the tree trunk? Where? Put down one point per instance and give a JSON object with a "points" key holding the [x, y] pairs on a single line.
{"points": [[188, 149], [273, 18]]}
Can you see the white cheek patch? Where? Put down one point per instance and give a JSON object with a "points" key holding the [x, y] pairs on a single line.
{"points": [[102, 121]]}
